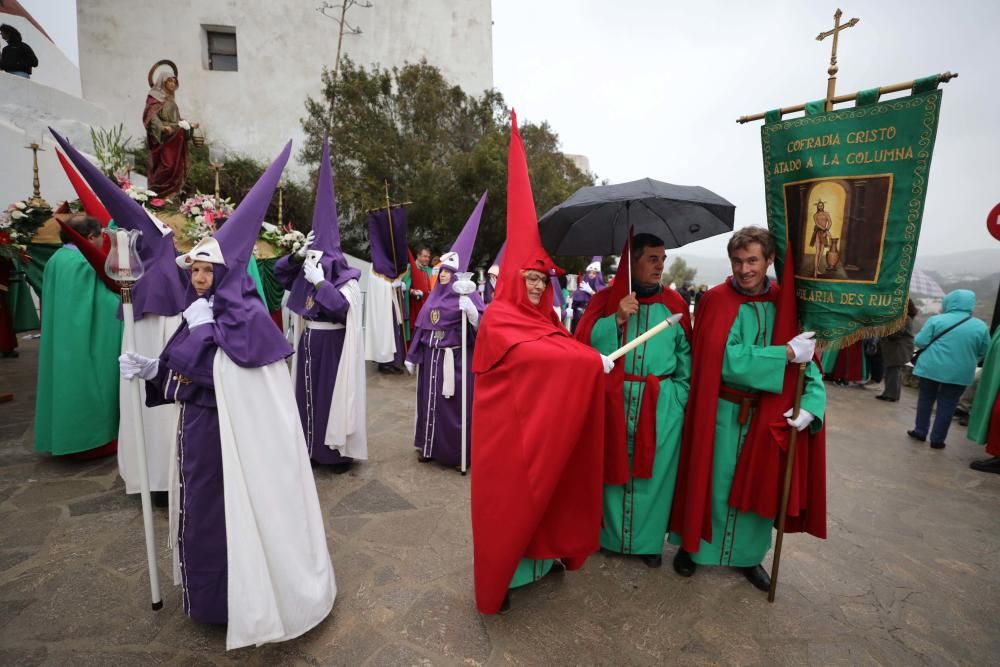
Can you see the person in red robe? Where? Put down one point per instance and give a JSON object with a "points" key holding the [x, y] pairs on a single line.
{"points": [[536, 490]]}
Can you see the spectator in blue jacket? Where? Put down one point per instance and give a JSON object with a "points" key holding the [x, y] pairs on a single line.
{"points": [[952, 344]]}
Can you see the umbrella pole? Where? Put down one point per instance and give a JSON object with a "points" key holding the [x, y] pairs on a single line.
{"points": [[786, 490]]}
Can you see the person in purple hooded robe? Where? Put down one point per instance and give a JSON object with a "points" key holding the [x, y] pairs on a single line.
{"points": [[158, 298], [386, 301], [436, 349], [329, 362], [591, 282], [247, 533]]}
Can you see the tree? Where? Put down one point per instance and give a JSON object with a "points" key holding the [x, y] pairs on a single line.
{"points": [[679, 273], [438, 147]]}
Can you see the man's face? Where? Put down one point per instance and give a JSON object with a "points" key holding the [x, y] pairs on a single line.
{"points": [[424, 257], [750, 267], [535, 282], [202, 275], [647, 268]]}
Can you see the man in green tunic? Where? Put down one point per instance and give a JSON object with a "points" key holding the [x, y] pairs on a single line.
{"points": [[656, 378], [77, 403], [751, 363], [984, 419]]}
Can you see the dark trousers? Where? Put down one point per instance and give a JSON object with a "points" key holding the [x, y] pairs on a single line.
{"points": [[892, 384], [946, 396]]}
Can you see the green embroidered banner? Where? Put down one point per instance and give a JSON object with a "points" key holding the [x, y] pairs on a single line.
{"points": [[846, 190]]}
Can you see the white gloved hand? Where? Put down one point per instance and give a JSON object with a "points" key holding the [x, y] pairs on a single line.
{"points": [[803, 347], [416, 294], [586, 288], [466, 306], [310, 237], [132, 364], [802, 421], [198, 313], [411, 367], [396, 284], [608, 364], [313, 273]]}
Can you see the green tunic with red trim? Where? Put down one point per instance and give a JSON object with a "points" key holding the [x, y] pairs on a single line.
{"points": [[636, 513], [750, 363]]}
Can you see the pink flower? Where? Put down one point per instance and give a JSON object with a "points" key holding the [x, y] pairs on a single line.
{"points": [[209, 219], [157, 202]]}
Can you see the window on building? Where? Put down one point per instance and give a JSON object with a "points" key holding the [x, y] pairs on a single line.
{"points": [[221, 50]]}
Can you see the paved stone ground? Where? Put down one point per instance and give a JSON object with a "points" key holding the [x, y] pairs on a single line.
{"points": [[909, 575]]}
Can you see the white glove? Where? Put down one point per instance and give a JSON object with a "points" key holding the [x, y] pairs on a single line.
{"points": [[608, 364], [396, 284], [585, 287], [411, 367], [198, 313], [310, 237], [417, 294], [466, 306], [131, 364], [313, 273], [802, 421], [803, 347]]}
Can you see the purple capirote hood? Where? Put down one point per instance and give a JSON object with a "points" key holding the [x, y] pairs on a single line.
{"points": [[161, 289], [243, 328], [327, 239]]}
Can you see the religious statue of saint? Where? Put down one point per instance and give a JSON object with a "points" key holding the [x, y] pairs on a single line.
{"points": [[821, 233], [167, 134]]}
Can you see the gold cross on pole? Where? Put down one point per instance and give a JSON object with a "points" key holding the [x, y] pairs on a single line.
{"points": [[831, 83]]}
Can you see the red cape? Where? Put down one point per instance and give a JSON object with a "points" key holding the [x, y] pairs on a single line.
{"points": [[536, 481], [760, 468], [603, 304]]}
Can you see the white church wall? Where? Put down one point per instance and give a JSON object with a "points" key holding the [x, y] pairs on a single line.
{"points": [[54, 68], [27, 110], [282, 50]]}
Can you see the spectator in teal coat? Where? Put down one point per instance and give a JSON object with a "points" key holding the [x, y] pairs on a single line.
{"points": [[953, 343]]}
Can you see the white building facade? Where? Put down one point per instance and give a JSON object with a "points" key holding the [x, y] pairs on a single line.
{"points": [[278, 51]]}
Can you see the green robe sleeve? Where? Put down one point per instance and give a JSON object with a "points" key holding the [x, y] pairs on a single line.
{"points": [[751, 366], [254, 273], [814, 395], [604, 336]]}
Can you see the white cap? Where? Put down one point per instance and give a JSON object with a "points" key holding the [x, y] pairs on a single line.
{"points": [[206, 250], [593, 266], [450, 260]]}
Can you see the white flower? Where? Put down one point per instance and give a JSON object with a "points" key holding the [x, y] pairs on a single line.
{"points": [[200, 219], [21, 205], [184, 125], [150, 193], [195, 210], [208, 205], [17, 215]]}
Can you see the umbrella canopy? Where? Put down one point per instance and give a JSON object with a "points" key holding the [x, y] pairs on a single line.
{"points": [[596, 220], [922, 284]]}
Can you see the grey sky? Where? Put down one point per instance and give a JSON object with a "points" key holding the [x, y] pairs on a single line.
{"points": [[652, 88]]}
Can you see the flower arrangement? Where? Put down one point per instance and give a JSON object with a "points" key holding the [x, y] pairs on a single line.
{"points": [[285, 239], [18, 224], [145, 197], [204, 215]]}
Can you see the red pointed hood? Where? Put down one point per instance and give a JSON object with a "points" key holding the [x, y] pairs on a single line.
{"points": [[91, 204]]}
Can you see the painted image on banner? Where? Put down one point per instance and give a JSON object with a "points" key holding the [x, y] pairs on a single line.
{"points": [[836, 226]]}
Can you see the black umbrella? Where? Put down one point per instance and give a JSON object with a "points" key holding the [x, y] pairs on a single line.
{"points": [[596, 220]]}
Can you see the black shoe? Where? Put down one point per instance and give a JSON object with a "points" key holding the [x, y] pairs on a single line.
{"points": [[757, 576], [937, 445], [886, 398], [160, 498], [423, 459], [683, 565], [916, 436], [557, 567], [341, 468], [389, 369], [12, 354], [505, 605], [987, 465], [963, 421], [652, 560]]}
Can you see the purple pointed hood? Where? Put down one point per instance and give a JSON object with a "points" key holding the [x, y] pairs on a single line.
{"points": [[441, 312], [494, 271], [243, 328], [327, 240], [161, 290], [557, 299]]}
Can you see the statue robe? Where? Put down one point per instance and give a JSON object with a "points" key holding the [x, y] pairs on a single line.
{"points": [[76, 409], [750, 363], [168, 152], [636, 513]]}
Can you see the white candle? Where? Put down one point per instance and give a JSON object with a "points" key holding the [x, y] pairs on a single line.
{"points": [[632, 344], [124, 267]]}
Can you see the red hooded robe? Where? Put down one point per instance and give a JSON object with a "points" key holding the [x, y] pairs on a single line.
{"points": [[537, 479]]}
